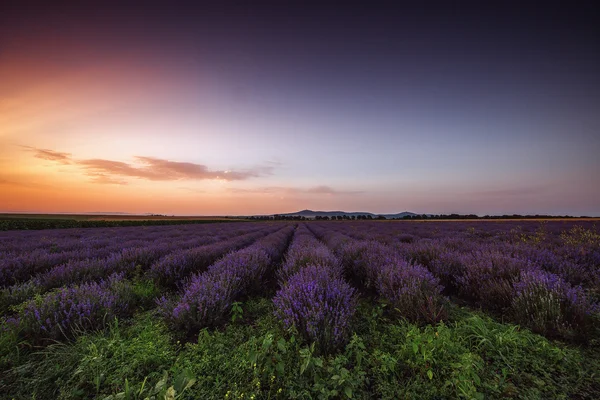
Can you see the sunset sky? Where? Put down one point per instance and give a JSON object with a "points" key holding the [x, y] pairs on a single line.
{"points": [[261, 110]]}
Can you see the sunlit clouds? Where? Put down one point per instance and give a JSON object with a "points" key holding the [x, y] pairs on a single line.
{"points": [[50, 155], [151, 168]]}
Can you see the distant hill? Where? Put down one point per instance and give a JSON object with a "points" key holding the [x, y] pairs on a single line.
{"points": [[313, 214]]}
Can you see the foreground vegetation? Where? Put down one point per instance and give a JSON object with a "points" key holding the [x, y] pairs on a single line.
{"points": [[468, 356]]}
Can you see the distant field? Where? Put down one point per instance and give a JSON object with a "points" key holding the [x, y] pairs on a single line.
{"points": [[112, 217], [9, 222]]}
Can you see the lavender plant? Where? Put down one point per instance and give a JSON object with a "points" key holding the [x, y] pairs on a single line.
{"points": [[318, 305], [62, 313], [412, 290], [551, 306], [208, 296], [305, 249], [488, 278]]}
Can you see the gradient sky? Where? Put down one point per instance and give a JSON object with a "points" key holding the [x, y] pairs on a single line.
{"points": [[260, 110]]}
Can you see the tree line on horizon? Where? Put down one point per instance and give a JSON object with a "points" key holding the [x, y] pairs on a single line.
{"points": [[418, 217]]}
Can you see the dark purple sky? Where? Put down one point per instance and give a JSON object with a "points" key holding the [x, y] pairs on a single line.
{"points": [[462, 108]]}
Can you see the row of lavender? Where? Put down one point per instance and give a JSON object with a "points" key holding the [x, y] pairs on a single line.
{"points": [[107, 292], [207, 297], [573, 254], [539, 276], [545, 279], [313, 296], [32, 254], [410, 288], [15, 242], [509, 230], [118, 258]]}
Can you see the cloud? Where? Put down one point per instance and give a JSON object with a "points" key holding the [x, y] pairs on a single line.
{"points": [[50, 155], [105, 179], [156, 169], [283, 190], [151, 168], [330, 190]]}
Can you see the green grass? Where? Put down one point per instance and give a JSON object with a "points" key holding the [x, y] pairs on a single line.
{"points": [[469, 356]]}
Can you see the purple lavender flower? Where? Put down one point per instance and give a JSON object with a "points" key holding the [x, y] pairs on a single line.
{"points": [[208, 296], [61, 313], [319, 305], [549, 305]]}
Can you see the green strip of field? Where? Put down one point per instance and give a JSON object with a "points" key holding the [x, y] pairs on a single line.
{"points": [[36, 222]]}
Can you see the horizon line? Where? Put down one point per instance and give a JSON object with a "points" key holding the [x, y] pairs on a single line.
{"points": [[120, 213]]}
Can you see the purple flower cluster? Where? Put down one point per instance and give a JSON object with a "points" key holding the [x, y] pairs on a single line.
{"points": [[304, 250], [15, 269], [448, 268], [488, 277], [413, 291], [545, 276], [208, 296], [63, 312], [410, 288], [364, 260], [319, 304], [91, 255], [314, 298], [538, 274], [174, 267], [576, 273], [549, 305], [423, 252], [25, 254], [78, 270]]}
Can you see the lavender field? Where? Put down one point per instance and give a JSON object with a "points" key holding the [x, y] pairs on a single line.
{"points": [[348, 309]]}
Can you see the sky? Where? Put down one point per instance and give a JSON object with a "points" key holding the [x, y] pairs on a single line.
{"points": [[262, 109]]}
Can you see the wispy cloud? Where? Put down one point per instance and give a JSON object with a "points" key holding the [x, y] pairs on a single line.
{"points": [[50, 155], [156, 169], [105, 179], [330, 190], [150, 168]]}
